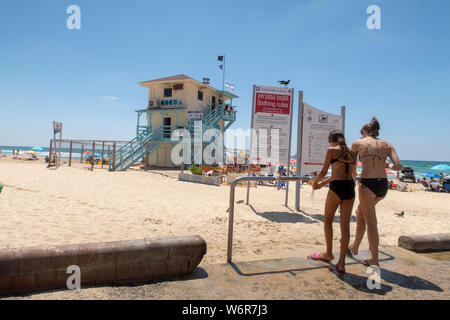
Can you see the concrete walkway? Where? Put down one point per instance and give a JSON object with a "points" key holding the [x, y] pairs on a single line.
{"points": [[404, 275]]}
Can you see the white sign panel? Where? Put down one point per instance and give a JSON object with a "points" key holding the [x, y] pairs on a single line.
{"points": [[195, 115], [271, 121], [317, 125]]}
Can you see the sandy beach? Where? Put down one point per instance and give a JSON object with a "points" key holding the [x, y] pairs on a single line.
{"points": [[41, 206]]}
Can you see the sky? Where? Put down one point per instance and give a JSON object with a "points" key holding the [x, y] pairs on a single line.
{"points": [[88, 78]]}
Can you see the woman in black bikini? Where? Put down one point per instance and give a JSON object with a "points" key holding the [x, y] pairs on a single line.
{"points": [[342, 192], [373, 185]]}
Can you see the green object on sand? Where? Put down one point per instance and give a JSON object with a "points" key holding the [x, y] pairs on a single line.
{"points": [[1, 188], [195, 170]]}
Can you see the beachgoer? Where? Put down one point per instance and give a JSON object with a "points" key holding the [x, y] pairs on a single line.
{"points": [[373, 186], [342, 193]]}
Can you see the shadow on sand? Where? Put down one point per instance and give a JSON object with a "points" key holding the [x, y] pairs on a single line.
{"points": [[283, 217]]}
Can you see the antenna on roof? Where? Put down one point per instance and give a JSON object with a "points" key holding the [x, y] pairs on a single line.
{"points": [[206, 81]]}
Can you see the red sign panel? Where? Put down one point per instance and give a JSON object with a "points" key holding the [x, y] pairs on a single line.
{"points": [[272, 103]]}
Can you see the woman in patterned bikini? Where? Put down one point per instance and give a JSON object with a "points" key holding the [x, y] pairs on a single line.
{"points": [[373, 153]]}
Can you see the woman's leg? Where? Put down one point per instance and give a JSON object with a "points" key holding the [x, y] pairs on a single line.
{"points": [[331, 205], [346, 213], [367, 202], [360, 230]]}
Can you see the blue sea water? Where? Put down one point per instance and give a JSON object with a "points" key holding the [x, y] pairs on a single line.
{"points": [[418, 165]]}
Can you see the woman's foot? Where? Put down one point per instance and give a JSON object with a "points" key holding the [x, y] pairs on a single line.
{"points": [[322, 257], [353, 249], [340, 268], [370, 262]]}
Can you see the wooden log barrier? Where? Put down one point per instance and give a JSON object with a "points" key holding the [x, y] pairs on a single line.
{"points": [[430, 242], [35, 269]]}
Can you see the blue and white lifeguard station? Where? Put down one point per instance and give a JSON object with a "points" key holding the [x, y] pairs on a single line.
{"points": [[174, 102]]}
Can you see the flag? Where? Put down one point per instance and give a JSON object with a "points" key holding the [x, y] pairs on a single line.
{"points": [[229, 86], [220, 58], [57, 127], [221, 67]]}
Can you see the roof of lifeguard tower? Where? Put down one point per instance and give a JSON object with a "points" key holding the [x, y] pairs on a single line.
{"points": [[182, 77]]}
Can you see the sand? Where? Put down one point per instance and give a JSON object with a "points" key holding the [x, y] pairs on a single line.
{"points": [[41, 206]]}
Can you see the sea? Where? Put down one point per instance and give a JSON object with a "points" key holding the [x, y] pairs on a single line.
{"points": [[418, 165]]}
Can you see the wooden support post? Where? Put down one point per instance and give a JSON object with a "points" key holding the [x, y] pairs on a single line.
{"points": [[103, 151], [70, 154], [49, 155], [93, 156], [109, 154], [146, 157], [82, 151], [114, 157]]}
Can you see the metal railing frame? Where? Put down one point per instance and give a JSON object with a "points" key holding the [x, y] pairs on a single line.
{"points": [[231, 207]]}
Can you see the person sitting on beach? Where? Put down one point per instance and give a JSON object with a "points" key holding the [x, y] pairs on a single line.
{"points": [[425, 183], [373, 185], [341, 193]]}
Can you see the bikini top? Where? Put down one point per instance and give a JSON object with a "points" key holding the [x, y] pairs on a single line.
{"points": [[347, 164], [376, 155]]}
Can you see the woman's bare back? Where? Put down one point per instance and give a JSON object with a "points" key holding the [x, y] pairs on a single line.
{"points": [[373, 154], [343, 164]]}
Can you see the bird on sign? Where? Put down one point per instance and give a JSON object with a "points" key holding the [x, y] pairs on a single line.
{"points": [[284, 83]]}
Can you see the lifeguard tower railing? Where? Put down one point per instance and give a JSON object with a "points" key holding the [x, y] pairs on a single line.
{"points": [[148, 139], [231, 207]]}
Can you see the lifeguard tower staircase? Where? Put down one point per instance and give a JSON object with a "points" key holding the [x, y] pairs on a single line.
{"points": [[148, 139]]}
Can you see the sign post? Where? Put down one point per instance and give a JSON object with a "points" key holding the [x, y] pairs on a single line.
{"points": [[271, 120], [298, 169], [57, 128]]}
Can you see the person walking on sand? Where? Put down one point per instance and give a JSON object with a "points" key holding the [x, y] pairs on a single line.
{"points": [[341, 193], [373, 185]]}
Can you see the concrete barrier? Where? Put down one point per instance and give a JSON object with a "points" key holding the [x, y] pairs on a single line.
{"points": [[431, 242], [28, 270], [214, 181]]}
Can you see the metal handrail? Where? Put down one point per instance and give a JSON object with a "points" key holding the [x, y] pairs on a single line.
{"points": [[231, 208]]}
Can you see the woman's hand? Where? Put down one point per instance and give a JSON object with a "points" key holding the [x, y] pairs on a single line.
{"points": [[315, 184]]}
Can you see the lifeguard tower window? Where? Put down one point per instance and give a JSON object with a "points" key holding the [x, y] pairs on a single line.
{"points": [[167, 92], [166, 128], [200, 96]]}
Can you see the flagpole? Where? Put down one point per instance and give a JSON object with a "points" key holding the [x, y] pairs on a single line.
{"points": [[223, 82]]}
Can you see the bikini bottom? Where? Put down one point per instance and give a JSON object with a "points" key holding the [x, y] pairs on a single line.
{"points": [[344, 189], [379, 186]]}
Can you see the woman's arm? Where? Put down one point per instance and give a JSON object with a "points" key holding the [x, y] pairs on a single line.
{"points": [[355, 148], [324, 182], [324, 170], [396, 164]]}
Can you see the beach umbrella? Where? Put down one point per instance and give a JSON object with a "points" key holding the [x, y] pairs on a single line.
{"points": [[430, 175], [37, 149], [31, 152], [359, 164], [89, 153], [442, 166], [292, 161]]}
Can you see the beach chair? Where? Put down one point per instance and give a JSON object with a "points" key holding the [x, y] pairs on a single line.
{"points": [[426, 185]]}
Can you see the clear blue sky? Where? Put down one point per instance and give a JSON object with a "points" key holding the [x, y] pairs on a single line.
{"points": [[400, 73]]}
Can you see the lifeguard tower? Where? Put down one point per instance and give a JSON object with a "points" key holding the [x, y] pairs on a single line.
{"points": [[175, 102]]}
